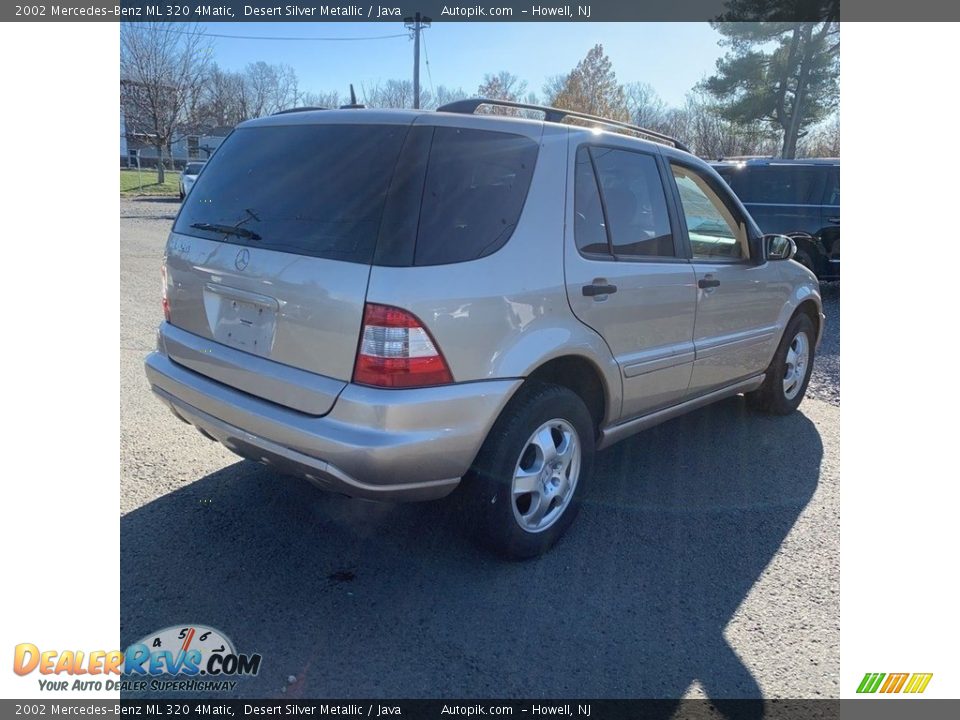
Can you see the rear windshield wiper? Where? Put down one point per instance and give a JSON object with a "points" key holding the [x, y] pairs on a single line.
{"points": [[228, 230]]}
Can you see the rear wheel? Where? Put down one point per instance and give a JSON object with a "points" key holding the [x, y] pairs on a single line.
{"points": [[789, 373], [529, 478]]}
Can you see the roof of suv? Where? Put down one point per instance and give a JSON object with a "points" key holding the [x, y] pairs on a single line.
{"points": [[372, 116], [754, 162]]}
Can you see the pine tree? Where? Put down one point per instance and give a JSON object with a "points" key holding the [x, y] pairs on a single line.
{"points": [[792, 86]]}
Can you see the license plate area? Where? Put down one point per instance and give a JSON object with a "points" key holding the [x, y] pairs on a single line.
{"points": [[240, 319]]}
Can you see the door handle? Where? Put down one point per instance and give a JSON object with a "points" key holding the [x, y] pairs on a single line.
{"points": [[595, 290], [834, 220], [704, 283]]}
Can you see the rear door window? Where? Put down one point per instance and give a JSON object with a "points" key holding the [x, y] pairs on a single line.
{"points": [[590, 228], [316, 190], [635, 202], [474, 191]]}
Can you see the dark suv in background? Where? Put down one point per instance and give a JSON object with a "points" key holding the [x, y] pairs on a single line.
{"points": [[799, 198]]}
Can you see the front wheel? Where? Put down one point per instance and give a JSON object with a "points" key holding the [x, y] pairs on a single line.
{"points": [[529, 478], [789, 373]]}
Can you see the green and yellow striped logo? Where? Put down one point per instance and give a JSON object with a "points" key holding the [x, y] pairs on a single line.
{"points": [[894, 682]]}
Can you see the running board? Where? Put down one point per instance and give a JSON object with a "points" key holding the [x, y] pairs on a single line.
{"points": [[616, 433]]}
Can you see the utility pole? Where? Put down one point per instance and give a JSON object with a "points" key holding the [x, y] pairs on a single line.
{"points": [[416, 24]]}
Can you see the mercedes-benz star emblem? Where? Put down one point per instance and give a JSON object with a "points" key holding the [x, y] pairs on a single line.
{"points": [[242, 259]]}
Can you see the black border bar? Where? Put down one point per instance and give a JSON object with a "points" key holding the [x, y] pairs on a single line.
{"points": [[458, 709], [394, 11]]}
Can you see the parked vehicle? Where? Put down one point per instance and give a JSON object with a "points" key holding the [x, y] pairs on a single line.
{"points": [[392, 303], [189, 176], [799, 198]]}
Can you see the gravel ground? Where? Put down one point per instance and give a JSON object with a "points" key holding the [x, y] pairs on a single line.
{"points": [[825, 380], [704, 563]]}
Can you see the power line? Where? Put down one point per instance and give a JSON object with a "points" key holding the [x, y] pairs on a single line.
{"points": [[426, 56]]}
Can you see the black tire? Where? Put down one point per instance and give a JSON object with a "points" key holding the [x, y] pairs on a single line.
{"points": [[772, 396], [489, 484]]}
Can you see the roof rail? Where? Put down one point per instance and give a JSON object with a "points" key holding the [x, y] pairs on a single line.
{"points": [[298, 109], [552, 114], [742, 158]]}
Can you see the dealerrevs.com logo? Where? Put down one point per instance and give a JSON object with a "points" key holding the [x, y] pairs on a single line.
{"points": [[179, 658], [909, 683]]}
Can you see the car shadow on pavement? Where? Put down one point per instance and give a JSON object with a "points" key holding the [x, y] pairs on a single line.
{"points": [[359, 599]]}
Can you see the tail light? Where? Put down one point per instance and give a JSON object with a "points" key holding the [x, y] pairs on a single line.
{"points": [[165, 301], [397, 351]]}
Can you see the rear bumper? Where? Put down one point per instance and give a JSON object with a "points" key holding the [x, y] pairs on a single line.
{"points": [[378, 444]]}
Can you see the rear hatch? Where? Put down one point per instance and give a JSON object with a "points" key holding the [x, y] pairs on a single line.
{"points": [[271, 254]]}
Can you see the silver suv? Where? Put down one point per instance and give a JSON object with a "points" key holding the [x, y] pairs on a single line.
{"points": [[394, 303]]}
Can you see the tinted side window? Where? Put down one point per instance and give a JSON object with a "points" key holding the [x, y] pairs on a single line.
{"points": [[307, 189], [715, 233], [635, 202], [589, 230], [475, 188], [732, 176], [783, 184], [832, 194]]}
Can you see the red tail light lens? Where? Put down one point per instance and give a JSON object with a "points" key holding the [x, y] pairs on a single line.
{"points": [[165, 301], [397, 351]]}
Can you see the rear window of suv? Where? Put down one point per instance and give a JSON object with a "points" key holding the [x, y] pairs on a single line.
{"points": [[475, 187], [417, 195], [315, 190]]}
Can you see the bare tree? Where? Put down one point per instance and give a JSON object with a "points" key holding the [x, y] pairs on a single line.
{"points": [[269, 88], [502, 86], [646, 107], [221, 95], [443, 95], [161, 69], [393, 94], [700, 125], [822, 141], [321, 99]]}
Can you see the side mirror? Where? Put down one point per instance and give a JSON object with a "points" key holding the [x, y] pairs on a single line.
{"points": [[779, 247]]}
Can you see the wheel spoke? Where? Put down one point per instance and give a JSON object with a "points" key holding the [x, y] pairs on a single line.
{"points": [[791, 355], [566, 449], [544, 441], [537, 510], [526, 481]]}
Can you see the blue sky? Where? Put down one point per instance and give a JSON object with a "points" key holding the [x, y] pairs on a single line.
{"points": [[671, 57]]}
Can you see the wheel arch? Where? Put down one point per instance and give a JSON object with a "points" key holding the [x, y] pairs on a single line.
{"points": [[582, 377]]}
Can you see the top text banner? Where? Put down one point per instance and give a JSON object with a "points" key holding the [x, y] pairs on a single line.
{"points": [[500, 11]]}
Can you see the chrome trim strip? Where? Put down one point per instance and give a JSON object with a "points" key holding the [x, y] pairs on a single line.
{"points": [[616, 433], [243, 295], [663, 359], [713, 346]]}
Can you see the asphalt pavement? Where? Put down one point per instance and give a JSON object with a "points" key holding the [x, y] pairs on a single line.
{"points": [[705, 562]]}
